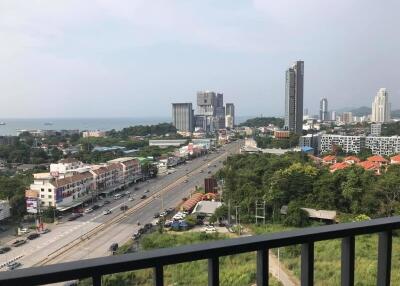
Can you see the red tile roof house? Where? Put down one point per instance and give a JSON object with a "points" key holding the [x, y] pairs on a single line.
{"points": [[329, 160], [371, 166], [352, 160], [395, 159], [339, 166], [378, 159]]}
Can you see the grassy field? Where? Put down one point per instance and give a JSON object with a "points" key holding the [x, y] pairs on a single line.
{"points": [[235, 270], [327, 259]]}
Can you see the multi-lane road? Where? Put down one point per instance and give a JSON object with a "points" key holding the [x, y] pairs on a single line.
{"points": [[91, 235]]}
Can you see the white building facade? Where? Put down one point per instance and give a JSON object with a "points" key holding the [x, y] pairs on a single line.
{"points": [[381, 107]]}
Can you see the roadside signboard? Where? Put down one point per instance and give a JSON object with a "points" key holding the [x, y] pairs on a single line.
{"points": [[32, 205]]}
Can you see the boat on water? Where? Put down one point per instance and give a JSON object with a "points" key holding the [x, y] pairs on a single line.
{"points": [[48, 123], [2, 123]]}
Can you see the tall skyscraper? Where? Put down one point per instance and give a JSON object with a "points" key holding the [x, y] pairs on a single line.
{"points": [[294, 97], [206, 110], [230, 115], [381, 107], [182, 116], [323, 109], [219, 122]]}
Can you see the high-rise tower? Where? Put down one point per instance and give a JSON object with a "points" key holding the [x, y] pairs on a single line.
{"points": [[381, 107], [323, 110], [294, 97]]}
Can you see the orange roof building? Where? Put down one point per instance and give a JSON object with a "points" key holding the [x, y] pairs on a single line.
{"points": [[395, 159], [330, 159], [377, 159], [370, 166], [352, 159], [339, 166]]}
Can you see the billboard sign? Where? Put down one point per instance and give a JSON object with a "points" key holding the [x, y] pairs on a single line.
{"points": [[32, 205], [59, 195], [55, 174]]}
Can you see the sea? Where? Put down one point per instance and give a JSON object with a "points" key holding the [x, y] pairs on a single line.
{"points": [[12, 125]]}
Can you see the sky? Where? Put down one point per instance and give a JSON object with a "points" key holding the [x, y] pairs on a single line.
{"points": [[133, 58]]}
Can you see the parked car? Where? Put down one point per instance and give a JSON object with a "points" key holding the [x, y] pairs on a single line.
{"points": [[95, 207], [33, 236], [4, 249], [13, 265], [113, 247], [148, 226], [106, 212], [143, 197], [89, 210], [168, 223], [136, 235], [43, 231], [201, 171], [123, 208], [147, 191], [18, 242], [24, 230], [75, 216], [210, 229], [156, 215], [131, 199]]}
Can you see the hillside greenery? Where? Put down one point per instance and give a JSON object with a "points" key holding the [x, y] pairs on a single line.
{"points": [[263, 121], [391, 129], [293, 180], [284, 143]]}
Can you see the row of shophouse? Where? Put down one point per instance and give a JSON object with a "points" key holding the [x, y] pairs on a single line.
{"points": [[71, 182]]}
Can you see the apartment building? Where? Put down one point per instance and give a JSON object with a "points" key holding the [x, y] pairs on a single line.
{"points": [[107, 178], [382, 145], [93, 133], [349, 144], [131, 170], [52, 191]]}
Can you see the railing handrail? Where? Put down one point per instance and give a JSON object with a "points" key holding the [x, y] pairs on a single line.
{"points": [[167, 256]]}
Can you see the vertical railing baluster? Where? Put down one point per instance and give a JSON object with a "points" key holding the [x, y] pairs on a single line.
{"points": [[158, 278], [307, 264], [384, 258], [96, 280], [262, 267], [213, 271], [347, 267]]}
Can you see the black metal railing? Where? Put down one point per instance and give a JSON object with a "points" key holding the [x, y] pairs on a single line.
{"points": [[212, 251]]}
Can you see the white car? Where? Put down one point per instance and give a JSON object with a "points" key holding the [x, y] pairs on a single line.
{"points": [[131, 199], [88, 211], [23, 230], [210, 229], [106, 212]]}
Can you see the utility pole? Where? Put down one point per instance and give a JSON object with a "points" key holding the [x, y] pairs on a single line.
{"points": [[260, 207]]}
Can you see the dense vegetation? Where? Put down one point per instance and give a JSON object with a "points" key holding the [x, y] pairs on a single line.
{"points": [[144, 130], [390, 129], [284, 143], [236, 270], [13, 188], [25, 150], [263, 121], [292, 180]]}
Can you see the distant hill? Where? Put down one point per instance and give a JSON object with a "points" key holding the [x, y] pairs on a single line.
{"points": [[396, 113], [364, 111]]}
